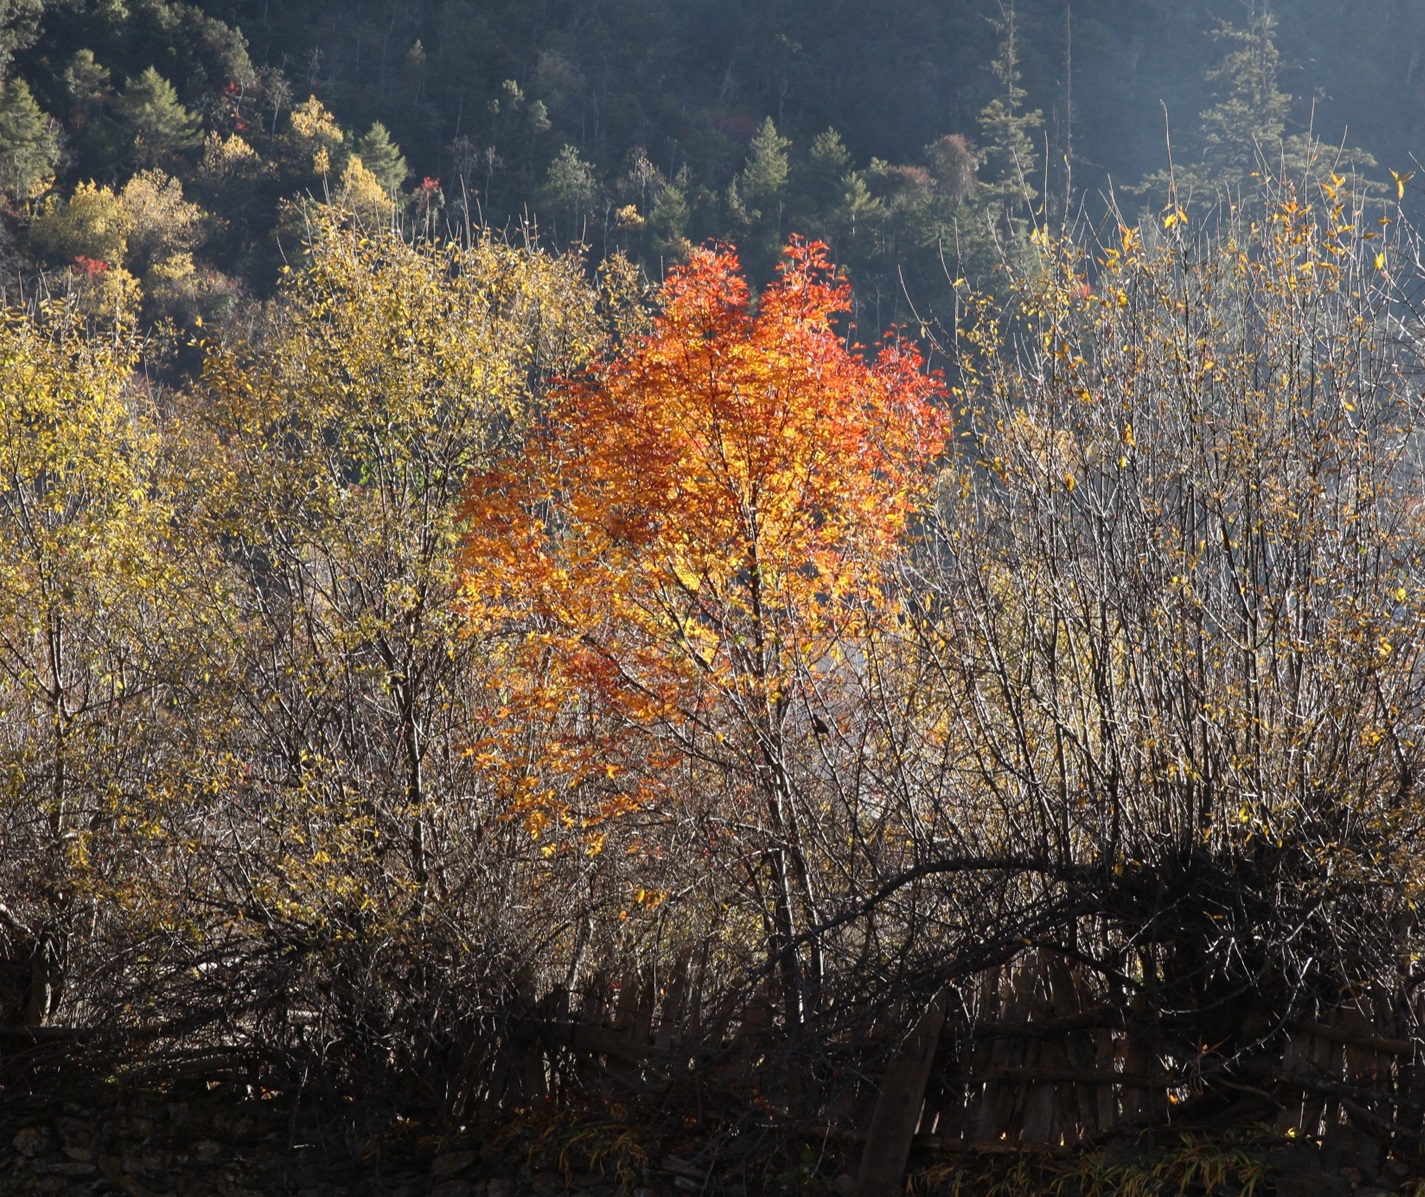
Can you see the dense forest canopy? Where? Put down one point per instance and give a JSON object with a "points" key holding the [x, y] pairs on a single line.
{"points": [[890, 131], [690, 81]]}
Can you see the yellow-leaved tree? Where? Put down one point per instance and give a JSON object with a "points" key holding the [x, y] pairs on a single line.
{"points": [[332, 448], [1178, 615], [98, 649]]}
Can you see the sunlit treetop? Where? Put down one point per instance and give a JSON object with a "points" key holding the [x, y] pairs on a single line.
{"points": [[718, 500]]}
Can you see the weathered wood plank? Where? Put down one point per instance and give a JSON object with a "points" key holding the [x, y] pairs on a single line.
{"points": [[603, 1041], [897, 1113], [1354, 1037]]}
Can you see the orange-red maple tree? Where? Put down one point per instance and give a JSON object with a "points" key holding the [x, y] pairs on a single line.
{"points": [[695, 535]]}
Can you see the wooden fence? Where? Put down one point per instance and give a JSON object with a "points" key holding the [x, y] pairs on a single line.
{"points": [[1038, 1053], [1035, 1054]]}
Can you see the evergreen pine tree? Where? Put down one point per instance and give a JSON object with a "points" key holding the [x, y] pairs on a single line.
{"points": [[757, 196], [86, 82], [858, 214], [1251, 114], [1007, 129], [764, 179], [828, 156], [19, 28], [1245, 132], [150, 113], [668, 222], [382, 157], [28, 145], [819, 180]]}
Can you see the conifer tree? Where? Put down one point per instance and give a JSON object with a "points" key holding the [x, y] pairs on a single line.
{"points": [[86, 82], [764, 179], [756, 198], [1246, 131], [571, 191], [28, 145], [19, 27], [382, 157], [668, 222], [1252, 110], [819, 179], [150, 113], [835, 201], [1007, 128]]}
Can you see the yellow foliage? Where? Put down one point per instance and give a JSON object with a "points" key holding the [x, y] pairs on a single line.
{"points": [[88, 598], [107, 236], [174, 269], [313, 137], [227, 159], [161, 221], [94, 222], [362, 192], [170, 285], [110, 299], [333, 452], [1205, 527]]}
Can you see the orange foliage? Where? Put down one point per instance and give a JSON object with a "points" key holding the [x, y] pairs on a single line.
{"points": [[695, 531]]}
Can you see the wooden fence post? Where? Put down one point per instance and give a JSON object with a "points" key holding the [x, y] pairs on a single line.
{"points": [[897, 1113]]}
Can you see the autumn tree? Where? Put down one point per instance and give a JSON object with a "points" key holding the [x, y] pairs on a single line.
{"points": [[331, 450], [99, 657], [146, 230], [93, 222], [313, 144], [679, 575], [1178, 613], [361, 191], [235, 792]]}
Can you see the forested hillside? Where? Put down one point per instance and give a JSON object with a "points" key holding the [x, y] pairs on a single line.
{"points": [[157, 142]]}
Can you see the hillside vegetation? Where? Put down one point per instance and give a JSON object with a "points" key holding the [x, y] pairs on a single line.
{"points": [[154, 149]]}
